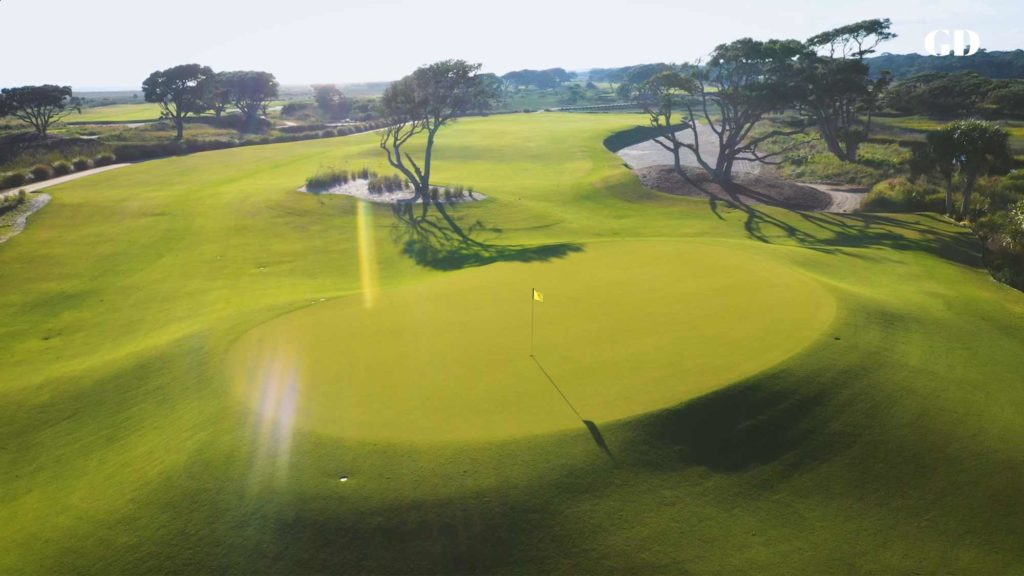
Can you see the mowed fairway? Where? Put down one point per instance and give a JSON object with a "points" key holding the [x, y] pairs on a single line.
{"points": [[195, 353]]}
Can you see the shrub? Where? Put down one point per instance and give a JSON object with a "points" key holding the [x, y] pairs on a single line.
{"points": [[326, 178], [903, 195], [104, 160], [41, 172], [62, 168], [81, 164], [380, 184], [13, 180], [12, 201], [301, 128], [826, 168]]}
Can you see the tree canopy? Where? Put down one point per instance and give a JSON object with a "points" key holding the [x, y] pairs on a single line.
{"points": [[741, 83], [250, 91], [994, 64], [180, 91], [331, 102], [840, 94], [543, 79], [968, 149], [661, 97], [39, 106], [956, 94]]}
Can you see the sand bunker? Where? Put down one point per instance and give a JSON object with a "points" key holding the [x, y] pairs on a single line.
{"points": [[361, 189]]}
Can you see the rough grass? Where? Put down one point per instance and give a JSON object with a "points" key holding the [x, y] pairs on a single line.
{"points": [[890, 443]]}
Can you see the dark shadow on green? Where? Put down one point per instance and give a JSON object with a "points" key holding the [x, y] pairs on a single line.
{"points": [[831, 233], [731, 430], [595, 433], [432, 243], [634, 136]]}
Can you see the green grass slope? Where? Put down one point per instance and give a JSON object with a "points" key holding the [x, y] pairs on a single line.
{"points": [[191, 362]]}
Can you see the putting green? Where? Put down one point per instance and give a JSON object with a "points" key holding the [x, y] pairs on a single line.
{"points": [[626, 328]]}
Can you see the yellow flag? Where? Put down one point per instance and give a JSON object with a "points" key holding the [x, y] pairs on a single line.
{"points": [[537, 295]]}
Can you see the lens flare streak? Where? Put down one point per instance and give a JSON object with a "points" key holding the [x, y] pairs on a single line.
{"points": [[276, 385], [367, 254]]}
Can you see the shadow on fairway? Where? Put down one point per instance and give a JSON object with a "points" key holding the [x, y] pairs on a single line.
{"points": [[733, 429], [433, 243], [830, 233], [595, 432]]}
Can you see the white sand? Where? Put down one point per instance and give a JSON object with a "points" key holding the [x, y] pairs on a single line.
{"points": [[361, 189]]}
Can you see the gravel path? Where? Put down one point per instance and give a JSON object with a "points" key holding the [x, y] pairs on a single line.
{"points": [[845, 199], [62, 179]]}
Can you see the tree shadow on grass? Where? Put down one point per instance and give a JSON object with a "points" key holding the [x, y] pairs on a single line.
{"points": [[832, 233], [733, 429], [433, 243]]}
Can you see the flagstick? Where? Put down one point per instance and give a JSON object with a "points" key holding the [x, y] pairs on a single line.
{"points": [[533, 306]]}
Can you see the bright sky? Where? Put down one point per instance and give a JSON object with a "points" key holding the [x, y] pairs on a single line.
{"points": [[115, 44]]}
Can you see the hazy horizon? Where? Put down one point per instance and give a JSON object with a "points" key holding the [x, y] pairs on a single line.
{"points": [[314, 41]]}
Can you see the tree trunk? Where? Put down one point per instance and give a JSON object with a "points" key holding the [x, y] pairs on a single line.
{"points": [[852, 147], [968, 189], [179, 123], [949, 197]]}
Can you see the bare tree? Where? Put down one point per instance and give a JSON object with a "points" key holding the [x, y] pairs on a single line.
{"points": [[741, 83], [661, 98]]}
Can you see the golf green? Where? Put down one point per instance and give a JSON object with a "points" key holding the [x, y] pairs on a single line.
{"points": [[624, 329]]}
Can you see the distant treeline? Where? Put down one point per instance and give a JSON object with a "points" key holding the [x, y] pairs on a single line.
{"points": [[619, 75], [956, 94], [543, 79], [997, 65]]}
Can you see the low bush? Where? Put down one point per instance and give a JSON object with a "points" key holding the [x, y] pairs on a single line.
{"points": [[389, 184], [12, 201], [62, 168], [326, 178], [903, 195], [138, 152], [80, 164], [301, 128], [826, 168], [13, 180], [41, 172], [104, 160]]}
